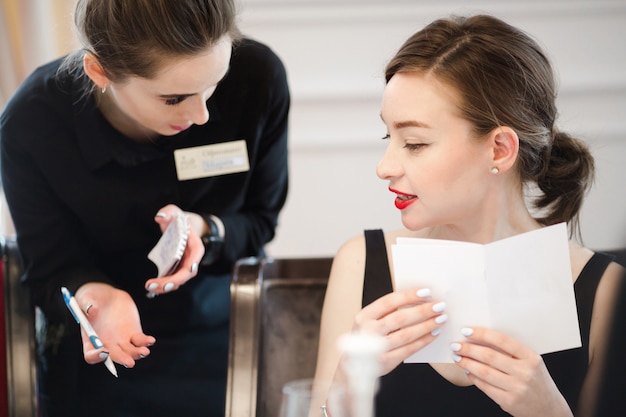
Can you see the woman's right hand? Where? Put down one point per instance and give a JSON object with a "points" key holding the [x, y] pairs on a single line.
{"points": [[192, 255], [114, 316], [409, 320]]}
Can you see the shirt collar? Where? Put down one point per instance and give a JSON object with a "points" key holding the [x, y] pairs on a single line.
{"points": [[100, 143]]}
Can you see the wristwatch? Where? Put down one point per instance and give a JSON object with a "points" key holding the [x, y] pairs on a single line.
{"points": [[213, 241]]}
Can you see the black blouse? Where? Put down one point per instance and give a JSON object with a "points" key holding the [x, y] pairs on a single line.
{"points": [[83, 196]]}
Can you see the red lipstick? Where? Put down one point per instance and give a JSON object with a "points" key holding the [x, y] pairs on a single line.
{"points": [[180, 128], [403, 200]]}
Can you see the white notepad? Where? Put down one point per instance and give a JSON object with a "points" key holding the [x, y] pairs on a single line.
{"points": [[521, 286], [169, 250]]}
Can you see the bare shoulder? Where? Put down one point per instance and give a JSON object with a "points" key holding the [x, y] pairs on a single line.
{"points": [[346, 274], [579, 256], [349, 261], [351, 254]]}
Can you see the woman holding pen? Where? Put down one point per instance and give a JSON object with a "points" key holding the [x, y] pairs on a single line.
{"points": [[165, 110]]}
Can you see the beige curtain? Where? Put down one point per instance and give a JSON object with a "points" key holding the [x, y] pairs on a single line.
{"points": [[32, 32]]}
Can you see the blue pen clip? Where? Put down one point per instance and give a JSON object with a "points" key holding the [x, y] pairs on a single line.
{"points": [[67, 296], [95, 341], [81, 319]]}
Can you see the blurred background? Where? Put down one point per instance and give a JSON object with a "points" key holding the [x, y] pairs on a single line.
{"points": [[335, 52]]}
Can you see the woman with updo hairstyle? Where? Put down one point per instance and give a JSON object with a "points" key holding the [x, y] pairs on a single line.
{"points": [[474, 155], [167, 115], [512, 84]]}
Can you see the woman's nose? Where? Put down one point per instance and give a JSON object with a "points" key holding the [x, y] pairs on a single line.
{"points": [[198, 111], [388, 166]]}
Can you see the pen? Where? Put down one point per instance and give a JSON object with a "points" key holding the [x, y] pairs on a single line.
{"points": [[81, 319]]}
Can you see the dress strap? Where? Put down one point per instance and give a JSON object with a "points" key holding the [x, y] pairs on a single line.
{"points": [[586, 286], [377, 278]]}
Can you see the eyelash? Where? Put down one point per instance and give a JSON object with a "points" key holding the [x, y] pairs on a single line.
{"points": [[413, 146], [410, 146], [174, 101]]}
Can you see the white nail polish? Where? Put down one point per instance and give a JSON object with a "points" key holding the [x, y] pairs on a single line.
{"points": [[168, 287], [103, 355], [439, 307], [441, 319], [151, 295], [436, 332], [161, 215], [455, 346], [466, 331], [424, 292], [194, 267], [456, 357], [153, 286]]}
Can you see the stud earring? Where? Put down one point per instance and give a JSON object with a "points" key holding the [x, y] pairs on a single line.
{"points": [[495, 170]]}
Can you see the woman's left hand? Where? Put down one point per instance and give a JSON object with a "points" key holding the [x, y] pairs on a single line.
{"points": [[510, 373], [188, 266]]}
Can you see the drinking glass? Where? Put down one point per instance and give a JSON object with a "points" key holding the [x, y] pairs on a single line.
{"points": [[303, 398]]}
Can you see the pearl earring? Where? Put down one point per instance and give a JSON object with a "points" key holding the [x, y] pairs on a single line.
{"points": [[495, 170]]}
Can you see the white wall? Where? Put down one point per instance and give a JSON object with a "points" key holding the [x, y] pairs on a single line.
{"points": [[335, 52]]}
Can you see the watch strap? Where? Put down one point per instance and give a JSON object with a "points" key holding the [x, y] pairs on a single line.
{"points": [[213, 242]]}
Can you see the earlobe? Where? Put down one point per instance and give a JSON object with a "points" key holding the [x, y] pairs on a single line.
{"points": [[94, 71], [505, 147]]}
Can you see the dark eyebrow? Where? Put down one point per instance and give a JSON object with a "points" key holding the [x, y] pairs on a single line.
{"points": [[410, 123], [407, 123], [183, 96]]}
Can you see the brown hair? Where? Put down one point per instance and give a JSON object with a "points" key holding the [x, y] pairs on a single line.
{"points": [[137, 37], [504, 79]]}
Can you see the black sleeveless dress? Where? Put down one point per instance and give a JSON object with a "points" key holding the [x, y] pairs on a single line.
{"points": [[417, 390]]}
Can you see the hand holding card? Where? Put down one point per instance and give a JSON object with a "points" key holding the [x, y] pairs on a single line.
{"points": [[169, 250]]}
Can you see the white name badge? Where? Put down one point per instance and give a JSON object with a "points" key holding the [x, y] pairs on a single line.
{"points": [[211, 160]]}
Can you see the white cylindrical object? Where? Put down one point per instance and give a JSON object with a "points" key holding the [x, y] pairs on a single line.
{"points": [[361, 365]]}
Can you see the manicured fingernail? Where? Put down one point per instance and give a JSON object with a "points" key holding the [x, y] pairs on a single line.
{"points": [[455, 346], [141, 355], [194, 267], [436, 332], [456, 357], [151, 295], [424, 292], [439, 307], [441, 319], [103, 355], [161, 215], [153, 286], [466, 331], [168, 287]]}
